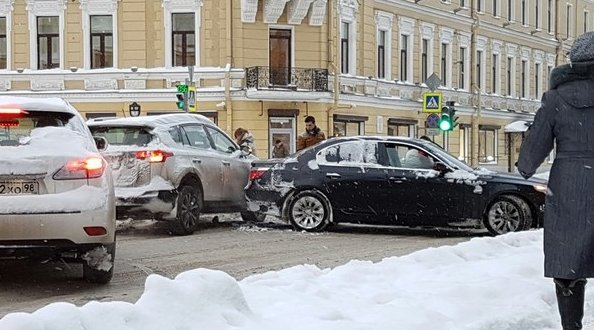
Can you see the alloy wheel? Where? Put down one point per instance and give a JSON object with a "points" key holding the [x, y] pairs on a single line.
{"points": [[504, 217], [308, 212]]}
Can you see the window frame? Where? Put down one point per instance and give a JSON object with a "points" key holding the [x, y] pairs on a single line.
{"points": [[4, 40], [185, 34], [49, 41], [102, 36], [171, 7], [48, 8], [384, 23], [99, 8], [495, 146]]}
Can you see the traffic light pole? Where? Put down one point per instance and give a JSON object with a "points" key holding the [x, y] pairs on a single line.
{"points": [[185, 108]]}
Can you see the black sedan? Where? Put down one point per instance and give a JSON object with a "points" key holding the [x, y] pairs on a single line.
{"points": [[391, 181]]}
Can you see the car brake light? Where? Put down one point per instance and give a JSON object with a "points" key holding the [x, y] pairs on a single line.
{"points": [[89, 168], [153, 156], [12, 113], [9, 123], [257, 173]]}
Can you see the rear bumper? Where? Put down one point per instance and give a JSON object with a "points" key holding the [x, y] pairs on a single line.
{"points": [[46, 249], [263, 201], [147, 205]]}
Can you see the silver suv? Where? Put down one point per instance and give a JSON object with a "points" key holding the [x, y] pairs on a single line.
{"points": [[174, 167], [56, 191]]}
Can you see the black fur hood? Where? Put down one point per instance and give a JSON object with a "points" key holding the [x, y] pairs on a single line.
{"points": [[574, 83]]}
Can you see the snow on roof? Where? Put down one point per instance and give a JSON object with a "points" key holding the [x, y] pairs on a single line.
{"points": [[517, 126], [39, 104], [151, 121]]}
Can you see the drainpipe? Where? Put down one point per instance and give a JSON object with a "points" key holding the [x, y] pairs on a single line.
{"points": [[229, 56], [334, 64]]}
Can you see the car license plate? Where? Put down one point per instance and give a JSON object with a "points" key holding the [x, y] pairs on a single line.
{"points": [[19, 187]]}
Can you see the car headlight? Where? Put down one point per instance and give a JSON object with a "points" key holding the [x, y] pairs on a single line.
{"points": [[540, 187]]}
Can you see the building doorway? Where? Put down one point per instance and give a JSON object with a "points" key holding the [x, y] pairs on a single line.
{"points": [[279, 57]]}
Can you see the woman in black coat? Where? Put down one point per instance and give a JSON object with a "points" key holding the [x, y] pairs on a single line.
{"points": [[566, 119]]}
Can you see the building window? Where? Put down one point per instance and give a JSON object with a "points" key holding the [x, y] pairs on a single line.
{"points": [[510, 10], [381, 54], [183, 36], [444, 64], [283, 129], [101, 41], [479, 68], [509, 75], [495, 74], [523, 12], [465, 134], [462, 64], [349, 128], [549, 70], [424, 59], [462, 3], [479, 6], [586, 21], [403, 57], [568, 21], [344, 47], [398, 129], [48, 42], [523, 79], [537, 82], [550, 16], [537, 14], [496, 8], [3, 44], [487, 146]]}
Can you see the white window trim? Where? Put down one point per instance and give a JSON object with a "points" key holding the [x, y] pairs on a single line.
{"points": [[383, 21], [538, 19], [481, 46], [511, 53], [526, 54], [98, 7], [407, 26], [447, 37], [587, 20], [513, 17], [496, 50], [571, 19], [427, 33], [37, 8], [464, 42], [181, 6], [348, 14], [6, 10], [497, 6]]}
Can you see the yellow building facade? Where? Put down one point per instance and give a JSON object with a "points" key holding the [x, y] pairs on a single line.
{"points": [[357, 66]]}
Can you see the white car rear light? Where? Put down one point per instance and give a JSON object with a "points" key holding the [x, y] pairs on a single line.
{"points": [[153, 156], [89, 168], [12, 111]]}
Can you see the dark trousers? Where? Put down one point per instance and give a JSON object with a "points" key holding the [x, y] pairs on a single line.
{"points": [[570, 298]]}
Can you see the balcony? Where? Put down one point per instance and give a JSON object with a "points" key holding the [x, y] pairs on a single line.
{"points": [[288, 79]]}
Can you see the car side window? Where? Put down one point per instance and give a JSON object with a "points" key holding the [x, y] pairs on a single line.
{"points": [[175, 135], [221, 141], [404, 156], [196, 137], [351, 153]]}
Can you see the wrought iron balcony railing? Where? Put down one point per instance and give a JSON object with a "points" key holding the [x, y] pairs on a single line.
{"points": [[263, 77]]}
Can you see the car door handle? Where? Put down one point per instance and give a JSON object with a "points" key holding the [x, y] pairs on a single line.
{"points": [[394, 179], [333, 176], [226, 163], [196, 161]]}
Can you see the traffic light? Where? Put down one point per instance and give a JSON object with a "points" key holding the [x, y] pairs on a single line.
{"points": [[181, 101], [448, 119]]}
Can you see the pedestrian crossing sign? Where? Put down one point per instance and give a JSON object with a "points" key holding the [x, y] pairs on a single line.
{"points": [[432, 102]]}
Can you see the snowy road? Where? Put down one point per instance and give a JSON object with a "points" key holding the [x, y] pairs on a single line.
{"points": [[238, 249]]}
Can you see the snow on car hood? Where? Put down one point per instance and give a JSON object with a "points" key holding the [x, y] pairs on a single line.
{"points": [[45, 151], [81, 199]]}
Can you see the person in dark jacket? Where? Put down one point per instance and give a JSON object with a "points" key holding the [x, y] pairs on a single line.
{"points": [[280, 150], [566, 119], [312, 136]]}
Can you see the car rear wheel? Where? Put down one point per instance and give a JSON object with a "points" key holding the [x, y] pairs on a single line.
{"points": [[507, 214], [189, 206], [98, 264], [310, 211], [253, 216]]}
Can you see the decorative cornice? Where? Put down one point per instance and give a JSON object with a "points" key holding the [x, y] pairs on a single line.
{"points": [[511, 50], [97, 84], [6, 6], [348, 10], [46, 7], [384, 20], [273, 9], [5, 84], [481, 43], [427, 31], [297, 10], [47, 85], [526, 52], [97, 7], [181, 5], [317, 13], [406, 25], [249, 9], [496, 46], [539, 56], [464, 39], [551, 59], [446, 35], [134, 84]]}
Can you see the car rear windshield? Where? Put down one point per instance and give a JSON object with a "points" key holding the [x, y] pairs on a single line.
{"points": [[128, 135], [15, 126]]}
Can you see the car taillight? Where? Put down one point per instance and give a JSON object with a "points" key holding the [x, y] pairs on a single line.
{"points": [[90, 168], [257, 173], [153, 156], [12, 112]]}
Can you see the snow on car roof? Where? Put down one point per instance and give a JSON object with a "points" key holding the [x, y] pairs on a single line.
{"points": [[53, 104], [151, 121]]}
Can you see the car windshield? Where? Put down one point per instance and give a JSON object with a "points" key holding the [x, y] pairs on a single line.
{"points": [[126, 135], [448, 158], [16, 126]]}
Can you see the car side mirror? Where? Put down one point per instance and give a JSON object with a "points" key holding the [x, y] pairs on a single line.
{"points": [[100, 142], [440, 167]]}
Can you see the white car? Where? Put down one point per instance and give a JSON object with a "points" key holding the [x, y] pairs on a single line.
{"points": [[56, 190], [174, 167]]}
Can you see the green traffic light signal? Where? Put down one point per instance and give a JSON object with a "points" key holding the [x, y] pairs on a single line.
{"points": [[445, 123], [181, 102]]}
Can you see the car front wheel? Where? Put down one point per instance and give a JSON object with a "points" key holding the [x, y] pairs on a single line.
{"points": [[507, 214], [310, 211]]}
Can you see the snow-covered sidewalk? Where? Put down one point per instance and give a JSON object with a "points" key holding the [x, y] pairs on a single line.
{"points": [[486, 283]]}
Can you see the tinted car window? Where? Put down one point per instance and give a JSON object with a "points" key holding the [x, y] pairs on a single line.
{"points": [[196, 136], [13, 127], [405, 156], [128, 135], [349, 153], [221, 141]]}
